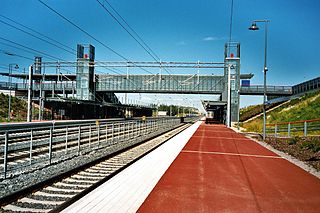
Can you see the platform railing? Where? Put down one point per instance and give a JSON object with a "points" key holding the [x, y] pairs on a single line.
{"points": [[296, 128], [36, 86], [270, 89], [27, 147]]}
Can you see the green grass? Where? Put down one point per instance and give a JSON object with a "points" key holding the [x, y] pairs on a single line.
{"points": [[251, 111], [18, 108], [306, 107]]}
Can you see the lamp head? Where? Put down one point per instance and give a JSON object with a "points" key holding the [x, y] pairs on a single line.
{"points": [[254, 26], [17, 66]]}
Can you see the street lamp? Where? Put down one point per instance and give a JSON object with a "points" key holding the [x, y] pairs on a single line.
{"points": [[254, 27], [16, 66]]}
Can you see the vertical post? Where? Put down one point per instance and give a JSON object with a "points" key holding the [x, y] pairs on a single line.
{"points": [[52, 91], [112, 132], [128, 126], [40, 100], [229, 98], [5, 157], [31, 145], [41, 111], [198, 73], [79, 139], [50, 144], [66, 137], [157, 124], [125, 94], [42, 104], [72, 90], [98, 126], [63, 91], [152, 126], [29, 114], [90, 131], [160, 73], [275, 130], [305, 128], [138, 128], [10, 80], [265, 69], [289, 130], [106, 132], [132, 129], [124, 131]]}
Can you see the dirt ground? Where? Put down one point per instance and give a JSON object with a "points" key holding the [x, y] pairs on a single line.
{"points": [[306, 149]]}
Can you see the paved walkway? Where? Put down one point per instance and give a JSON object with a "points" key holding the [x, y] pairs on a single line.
{"points": [[126, 191], [222, 171]]}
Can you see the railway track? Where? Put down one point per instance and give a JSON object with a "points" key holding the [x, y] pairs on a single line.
{"points": [[24, 149], [57, 193], [21, 149]]}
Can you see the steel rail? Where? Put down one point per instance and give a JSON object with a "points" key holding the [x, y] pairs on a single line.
{"points": [[39, 185]]}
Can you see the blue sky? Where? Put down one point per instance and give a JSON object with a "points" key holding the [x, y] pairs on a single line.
{"points": [[177, 31]]}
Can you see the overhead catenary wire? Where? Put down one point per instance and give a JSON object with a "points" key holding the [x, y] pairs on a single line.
{"points": [[72, 51], [41, 34], [14, 54], [47, 37], [150, 52], [87, 33], [115, 18], [37, 37], [145, 46], [82, 30], [126, 23], [29, 48], [34, 53], [92, 37]]}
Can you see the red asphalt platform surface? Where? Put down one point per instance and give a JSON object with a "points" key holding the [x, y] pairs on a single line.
{"points": [[220, 170]]}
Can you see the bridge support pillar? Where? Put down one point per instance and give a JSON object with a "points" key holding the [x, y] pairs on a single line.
{"points": [[29, 112], [85, 73], [232, 81]]}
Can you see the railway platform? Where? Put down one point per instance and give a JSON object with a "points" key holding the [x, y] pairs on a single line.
{"points": [[207, 168]]}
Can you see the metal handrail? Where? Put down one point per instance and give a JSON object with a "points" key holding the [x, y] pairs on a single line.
{"points": [[302, 127], [55, 141], [294, 122]]}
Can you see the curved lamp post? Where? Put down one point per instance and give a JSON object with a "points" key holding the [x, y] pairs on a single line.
{"points": [[254, 27]]}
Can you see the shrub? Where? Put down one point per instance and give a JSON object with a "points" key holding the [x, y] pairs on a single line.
{"points": [[313, 145], [293, 140]]}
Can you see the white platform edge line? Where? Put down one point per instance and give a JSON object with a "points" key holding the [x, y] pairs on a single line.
{"points": [[231, 154]]}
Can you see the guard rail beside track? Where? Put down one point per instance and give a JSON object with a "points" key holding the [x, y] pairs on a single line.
{"points": [[25, 147]]}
